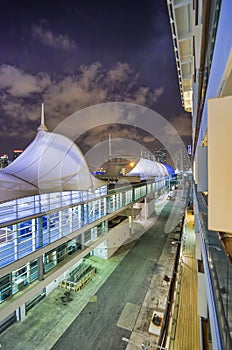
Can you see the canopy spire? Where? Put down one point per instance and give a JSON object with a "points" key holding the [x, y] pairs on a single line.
{"points": [[42, 126]]}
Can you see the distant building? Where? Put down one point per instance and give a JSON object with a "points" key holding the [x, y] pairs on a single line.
{"points": [[161, 155], [4, 161], [182, 160], [16, 153]]}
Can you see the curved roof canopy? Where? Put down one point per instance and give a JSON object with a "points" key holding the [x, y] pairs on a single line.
{"points": [[146, 169], [170, 169], [51, 163]]}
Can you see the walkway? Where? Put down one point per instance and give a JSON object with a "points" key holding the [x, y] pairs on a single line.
{"points": [[185, 333]]}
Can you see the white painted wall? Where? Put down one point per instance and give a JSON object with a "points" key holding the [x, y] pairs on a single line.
{"points": [[117, 236], [148, 208], [219, 164]]}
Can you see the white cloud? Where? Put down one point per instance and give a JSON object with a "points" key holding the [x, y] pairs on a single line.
{"points": [[93, 85], [59, 41], [182, 123], [148, 139], [120, 72], [21, 93], [21, 84]]}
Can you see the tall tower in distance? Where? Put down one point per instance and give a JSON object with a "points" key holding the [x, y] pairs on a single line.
{"points": [[182, 159], [161, 155]]}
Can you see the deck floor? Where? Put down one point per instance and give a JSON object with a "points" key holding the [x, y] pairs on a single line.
{"points": [[187, 330]]}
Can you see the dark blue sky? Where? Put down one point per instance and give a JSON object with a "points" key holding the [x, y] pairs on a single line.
{"points": [[73, 54]]}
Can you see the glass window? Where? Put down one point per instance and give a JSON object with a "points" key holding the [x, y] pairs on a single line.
{"points": [[103, 190], [54, 226], [103, 207], [25, 206], [77, 196], [129, 195], [90, 195], [44, 202], [7, 211], [85, 196], [91, 212], [50, 259], [61, 252], [7, 245], [76, 218], [24, 238], [119, 202], [38, 207], [5, 287], [97, 192], [33, 270], [149, 188], [85, 213], [19, 279], [24, 229], [66, 198], [55, 200], [42, 231], [66, 222], [71, 247], [111, 203], [6, 235], [87, 236]]}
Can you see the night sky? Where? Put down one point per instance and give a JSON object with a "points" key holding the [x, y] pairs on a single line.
{"points": [[74, 54]]}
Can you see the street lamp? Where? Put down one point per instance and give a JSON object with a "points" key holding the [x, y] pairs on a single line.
{"points": [[175, 242]]}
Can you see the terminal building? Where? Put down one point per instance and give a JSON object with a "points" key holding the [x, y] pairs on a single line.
{"points": [[54, 212], [202, 39], [49, 223]]}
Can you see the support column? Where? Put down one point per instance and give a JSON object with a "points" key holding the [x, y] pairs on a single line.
{"points": [[70, 215], [40, 268], [15, 233], [131, 226], [60, 223], [145, 208], [33, 235], [40, 232], [83, 241], [28, 273], [93, 233], [21, 312], [99, 209], [105, 227]]}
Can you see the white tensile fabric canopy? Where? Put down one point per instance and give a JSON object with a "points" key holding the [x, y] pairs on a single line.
{"points": [[51, 163], [146, 169]]}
